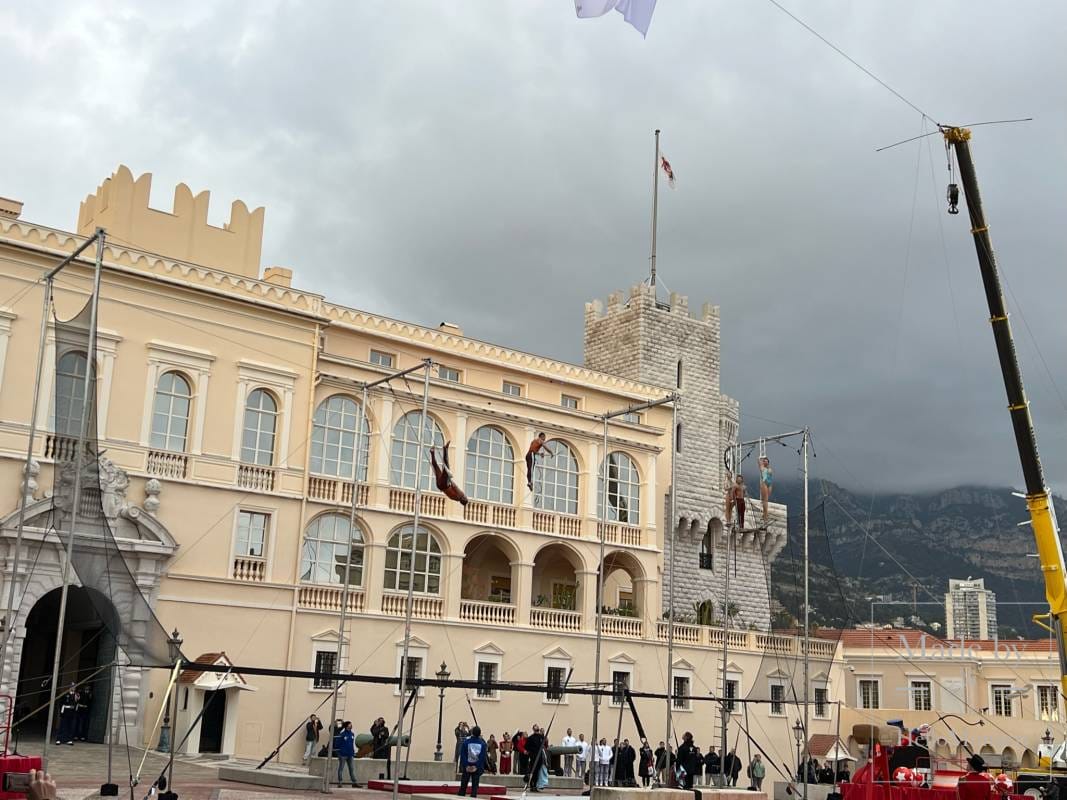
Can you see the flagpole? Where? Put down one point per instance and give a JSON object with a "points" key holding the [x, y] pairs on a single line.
{"points": [[655, 208]]}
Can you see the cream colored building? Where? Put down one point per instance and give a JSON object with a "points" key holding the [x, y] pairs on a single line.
{"points": [[227, 404], [1011, 686]]}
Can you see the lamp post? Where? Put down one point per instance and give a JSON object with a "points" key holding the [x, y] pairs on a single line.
{"points": [[174, 646], [798, 735], [442, 675], [1047, 738]]}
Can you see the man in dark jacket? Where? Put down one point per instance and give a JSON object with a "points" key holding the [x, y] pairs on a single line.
{"points": [[311, 736], [731, 768], [627, 756], [379, 732], [472, 755], [712, 767], [687, 755], [535, 745], [81, 712]]}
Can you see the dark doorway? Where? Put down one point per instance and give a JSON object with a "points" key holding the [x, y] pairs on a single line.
{"points": [[87, 646], [211, 724]]}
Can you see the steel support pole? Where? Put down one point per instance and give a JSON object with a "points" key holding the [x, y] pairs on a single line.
{"points": [[411, 575], [79, 454], [340, 666], [673, 522], [655, 209], [602, 525], [807, 617]]}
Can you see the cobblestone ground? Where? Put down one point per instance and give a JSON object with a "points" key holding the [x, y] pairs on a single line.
{"points": [[80, 770]]}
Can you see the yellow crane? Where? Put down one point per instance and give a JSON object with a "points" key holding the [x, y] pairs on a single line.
{"points": [[1038, 498]]}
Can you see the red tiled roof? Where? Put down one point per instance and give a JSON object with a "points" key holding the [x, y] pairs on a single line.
{"points": [[190, 675], [820, 744], [891, 638]]}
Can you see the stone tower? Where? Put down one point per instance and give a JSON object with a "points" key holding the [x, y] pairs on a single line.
{"points": [[659, 343]]}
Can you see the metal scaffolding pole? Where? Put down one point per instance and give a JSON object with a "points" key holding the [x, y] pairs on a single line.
{"points": [[670, 569]]}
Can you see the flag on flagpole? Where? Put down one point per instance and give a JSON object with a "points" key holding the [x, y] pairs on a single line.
{"points": [[637, 12], [665, 165]]}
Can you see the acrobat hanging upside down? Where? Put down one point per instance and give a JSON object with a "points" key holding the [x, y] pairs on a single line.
{"points": [[443, 475]]}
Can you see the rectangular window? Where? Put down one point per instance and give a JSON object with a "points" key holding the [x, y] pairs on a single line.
{"points": [[555, 678], [448, 374], [707, 561], [631, 417], [620, 682], [1002, 700], [325, 664], [512, 389], [626, 600], [869, 694], [777, 699], [251, 534], [681, 692], [921, 696], [1048, 703], [567, 401], [414, 670], [564, 596], [381, 359], [731, 695], [486, 679], [822, 702], [500, 588]]}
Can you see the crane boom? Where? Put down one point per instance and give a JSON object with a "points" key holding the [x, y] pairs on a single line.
{"points": [[1038, 498]]}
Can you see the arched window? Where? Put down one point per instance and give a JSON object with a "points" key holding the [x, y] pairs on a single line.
{"points": [[679, 377], [261, 419], [624, 490], [326, 544], [490, 466], [556, 480], [678, 438], [406, 450], [70, 393], [333, 438], [170, 413], [707, 551], [427, 561]]}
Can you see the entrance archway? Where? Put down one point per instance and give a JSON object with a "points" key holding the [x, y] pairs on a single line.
{"points": [[87, 647]]}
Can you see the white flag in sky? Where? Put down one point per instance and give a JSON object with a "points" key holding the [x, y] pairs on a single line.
{"points": [[637, 12]]}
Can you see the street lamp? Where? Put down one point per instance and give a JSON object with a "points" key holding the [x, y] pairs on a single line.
{"points": [[1047, 738], [798, 735], [174, 646], [442, 675]]}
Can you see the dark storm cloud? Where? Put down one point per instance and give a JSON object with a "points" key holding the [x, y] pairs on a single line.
{"points": [[472, 161]]}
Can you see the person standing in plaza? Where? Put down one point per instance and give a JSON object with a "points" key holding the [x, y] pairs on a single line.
{"points": [[645, 764], [535, 745], [712, 768], [472, 756], [344, 746], [506, 748], [568, 758], [491, 748], [583, 756], [603, 763], [756, 773], [85, 702], [311, 736], [461, 732]]}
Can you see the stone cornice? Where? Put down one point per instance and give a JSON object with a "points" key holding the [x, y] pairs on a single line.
{"points": [[116, 256], [484, 351]]}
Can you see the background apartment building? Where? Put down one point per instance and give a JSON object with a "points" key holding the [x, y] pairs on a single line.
{"points": [[970, 610]]}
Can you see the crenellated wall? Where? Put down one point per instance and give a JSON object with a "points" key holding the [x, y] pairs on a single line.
{"points": [[120, 205]]}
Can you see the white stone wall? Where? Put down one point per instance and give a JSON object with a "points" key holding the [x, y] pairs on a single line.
{"points": [[639, 338]]}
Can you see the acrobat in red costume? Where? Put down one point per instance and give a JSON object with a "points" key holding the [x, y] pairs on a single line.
{"points": [[443, 475]]}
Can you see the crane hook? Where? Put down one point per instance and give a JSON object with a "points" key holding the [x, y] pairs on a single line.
{"points": [[953, 196]]}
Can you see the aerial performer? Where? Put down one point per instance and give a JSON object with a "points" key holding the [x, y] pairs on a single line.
{"points": [[738, 491], [728, 497], [536, 446], [445, 484], [766, 483]]}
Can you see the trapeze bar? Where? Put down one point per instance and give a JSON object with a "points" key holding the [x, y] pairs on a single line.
{"points": [[641, 407], [426, 362]]}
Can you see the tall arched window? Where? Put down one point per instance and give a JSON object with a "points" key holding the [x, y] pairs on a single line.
{"points": [[170, 413], [261, 420], [70, 393], [333, 438], [406, 450], [490, 466], [679, 376], [624, 490], [326, 544], [707, 551], [427, 561], [556, 480]]}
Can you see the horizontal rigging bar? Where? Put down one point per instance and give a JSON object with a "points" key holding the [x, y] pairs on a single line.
{"points": [[56, 269], [641, 407]]}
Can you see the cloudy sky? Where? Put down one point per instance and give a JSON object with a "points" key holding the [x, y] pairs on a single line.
{"points": [[470, 161]]}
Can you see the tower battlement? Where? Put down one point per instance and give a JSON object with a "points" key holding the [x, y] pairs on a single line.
{"points": [[120, 205]]}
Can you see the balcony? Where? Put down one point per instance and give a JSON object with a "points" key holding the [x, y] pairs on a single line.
{"points": [[626, 627], [328, 598], [258, 479], [249, 568], [615, 533], [562, 524], [164, 464], [555, 619], [779, 645], [487, 613], [59, 447], [489, 514], [422, 606], [683, 634], [403, 500], [332, 490]]}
